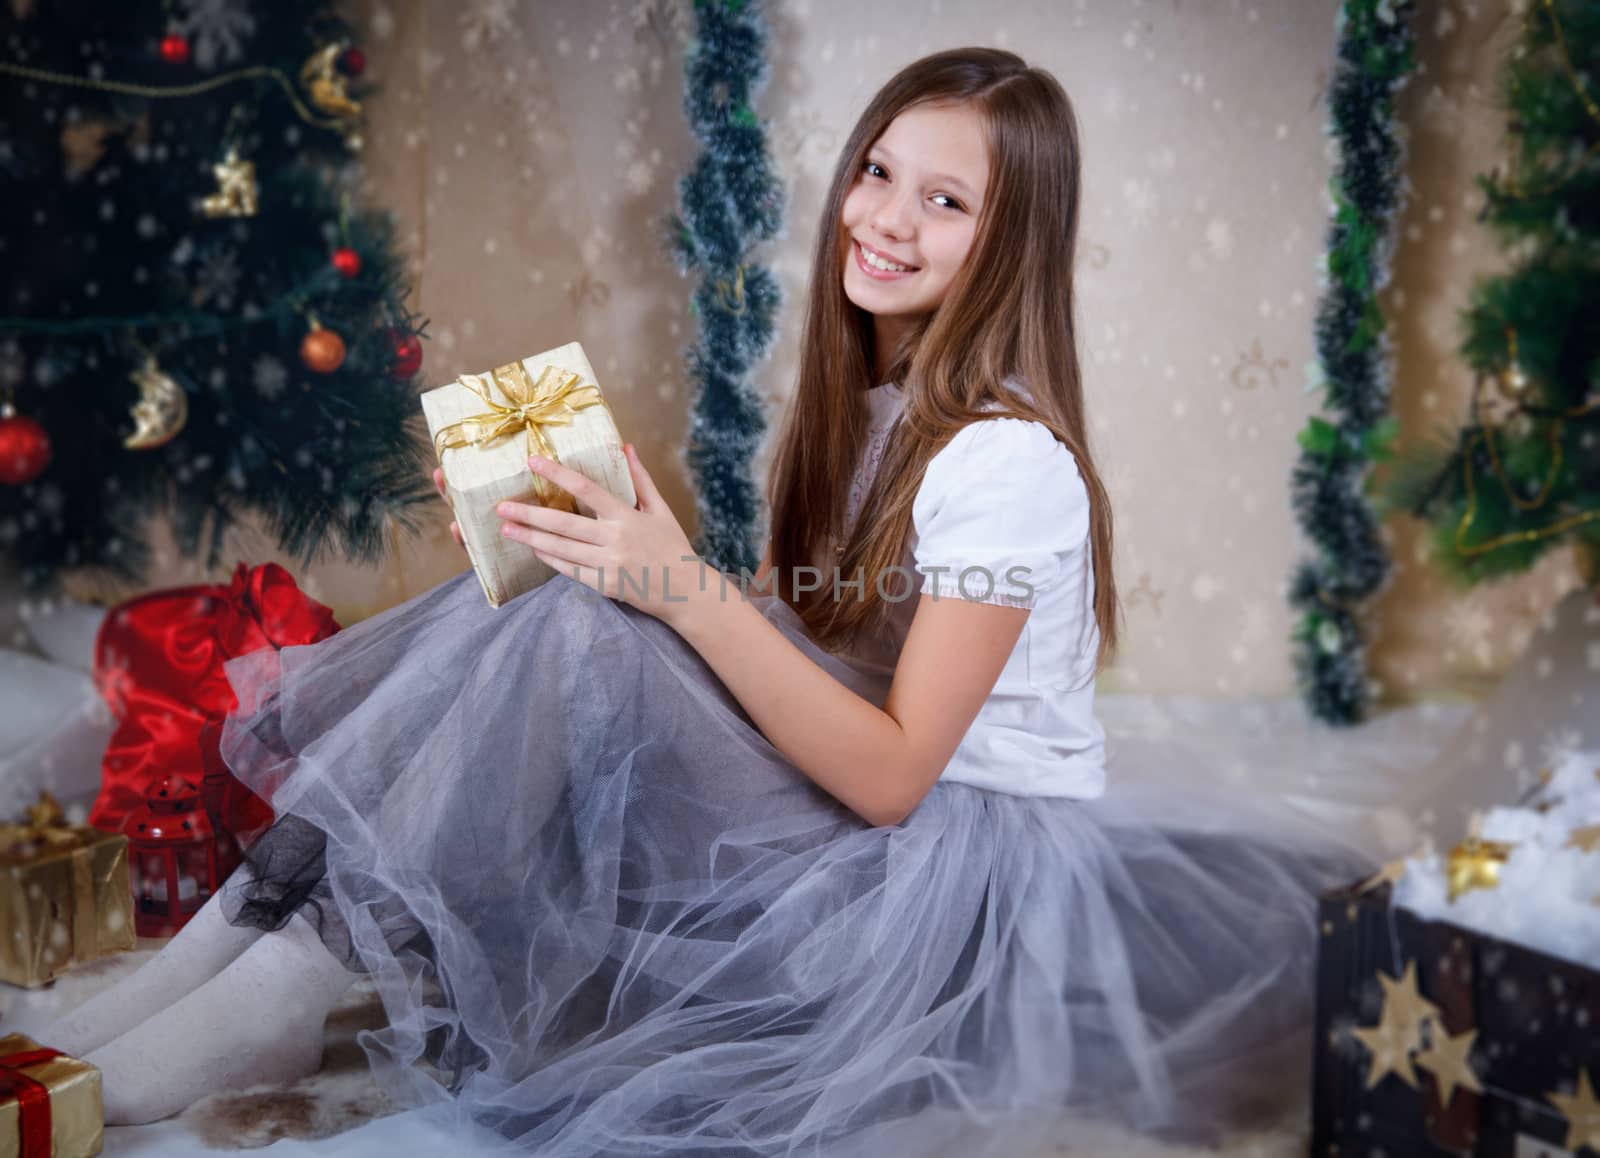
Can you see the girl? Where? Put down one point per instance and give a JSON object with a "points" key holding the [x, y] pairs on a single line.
{"points": [[660, 866]]}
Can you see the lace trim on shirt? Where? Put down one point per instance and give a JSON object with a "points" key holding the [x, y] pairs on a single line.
{"points": [[949, 587], [871, 456]]}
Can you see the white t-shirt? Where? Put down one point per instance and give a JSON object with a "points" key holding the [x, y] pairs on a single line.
{"points": [[1004, 499]]}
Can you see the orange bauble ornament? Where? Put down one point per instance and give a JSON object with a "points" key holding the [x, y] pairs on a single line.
{"points": [[322, 351]]}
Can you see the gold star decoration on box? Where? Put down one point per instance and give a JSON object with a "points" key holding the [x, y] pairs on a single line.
{"points": [[1390, 1050], [1400, 998], [1393, 870], [1587, 838], [1582, 1113], [1389, 874], [1446, 1058], [1399, 1028]]}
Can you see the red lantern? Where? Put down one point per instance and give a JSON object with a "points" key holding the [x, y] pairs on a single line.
{"points": [[347, 261], [175, 48], [407, 353], [176, 859]]}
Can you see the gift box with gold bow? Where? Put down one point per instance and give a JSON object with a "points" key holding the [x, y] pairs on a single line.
{"points": [[64, 895], [484, 427], [50, 1104]]}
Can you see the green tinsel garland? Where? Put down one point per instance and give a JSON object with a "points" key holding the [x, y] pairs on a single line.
{"points": [[1329, 481], [729, 202]]}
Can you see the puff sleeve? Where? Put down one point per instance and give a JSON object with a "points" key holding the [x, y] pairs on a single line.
{"points": [[1001, 514]]}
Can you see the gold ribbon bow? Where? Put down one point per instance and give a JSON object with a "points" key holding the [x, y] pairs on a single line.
{"points": [[551, 401], [46, 825]]}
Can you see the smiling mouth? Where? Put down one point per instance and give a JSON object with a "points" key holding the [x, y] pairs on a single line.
{"points": [[873, 271]]}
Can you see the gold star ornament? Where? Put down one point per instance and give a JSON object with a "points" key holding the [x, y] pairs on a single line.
{"points": [[1582, 1113], [1475, 864]]}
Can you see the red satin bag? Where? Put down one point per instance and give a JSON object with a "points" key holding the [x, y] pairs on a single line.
{"points": [[158, 662]]}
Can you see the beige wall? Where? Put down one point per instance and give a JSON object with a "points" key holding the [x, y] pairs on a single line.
{"points": [[531, 158]]}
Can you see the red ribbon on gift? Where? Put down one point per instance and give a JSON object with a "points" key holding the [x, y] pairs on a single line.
{"points": [[158, 663], [33, 1100]]}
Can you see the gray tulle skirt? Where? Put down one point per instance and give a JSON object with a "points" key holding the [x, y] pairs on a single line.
{"points": [[607, 917]]}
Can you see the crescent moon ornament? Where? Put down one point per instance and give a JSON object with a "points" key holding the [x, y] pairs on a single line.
{"points": [[326, 88], [161, 411]]}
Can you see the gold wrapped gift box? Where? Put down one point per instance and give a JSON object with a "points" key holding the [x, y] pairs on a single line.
{"points": [[484, 427], [48, 1105], [64, 896]]}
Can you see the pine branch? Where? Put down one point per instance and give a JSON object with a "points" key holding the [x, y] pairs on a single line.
{"points": [[1522, 478]]}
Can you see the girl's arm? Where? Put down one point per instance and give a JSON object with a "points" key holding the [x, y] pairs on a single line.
{"points": [[878, 763]]}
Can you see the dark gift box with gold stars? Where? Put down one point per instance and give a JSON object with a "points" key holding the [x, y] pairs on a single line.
{"points": [[1434, 1040]]}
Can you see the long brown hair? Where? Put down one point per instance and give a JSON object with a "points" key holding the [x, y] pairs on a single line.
{"points": [[1008, 313]]}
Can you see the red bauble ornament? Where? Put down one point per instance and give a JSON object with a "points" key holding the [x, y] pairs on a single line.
{"points": [[352, 62], [407, 353], [175, 48], [322, 351], [24, 447], [347, 261]]}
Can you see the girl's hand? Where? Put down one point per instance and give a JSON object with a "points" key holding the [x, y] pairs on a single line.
{"points": [[438, 485], [643, 544]]}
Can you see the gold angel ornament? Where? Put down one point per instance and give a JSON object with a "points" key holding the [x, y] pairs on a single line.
{"points": [[236, 188]]}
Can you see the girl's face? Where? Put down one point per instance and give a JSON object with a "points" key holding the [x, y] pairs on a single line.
{"points": [[915, 203]]}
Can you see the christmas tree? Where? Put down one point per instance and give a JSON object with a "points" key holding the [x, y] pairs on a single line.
{"points": [[1522, 477], [195, 319]]}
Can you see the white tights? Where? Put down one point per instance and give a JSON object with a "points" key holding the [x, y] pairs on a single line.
{"points": [[218, 1008]]}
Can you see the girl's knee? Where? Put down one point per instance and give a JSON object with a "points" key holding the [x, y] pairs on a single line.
{"points": [[297, 967]]}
